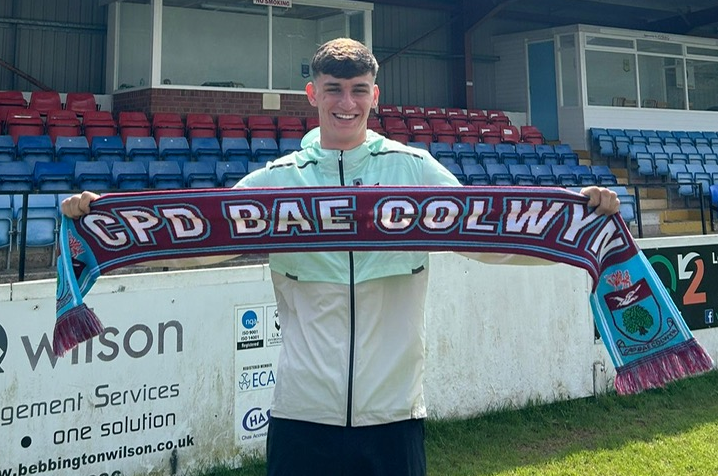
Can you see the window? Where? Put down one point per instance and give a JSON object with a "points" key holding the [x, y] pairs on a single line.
{"points": [[611, 79], [569, 70], [231, 42]]}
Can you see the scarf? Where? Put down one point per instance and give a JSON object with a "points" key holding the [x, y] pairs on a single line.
{"points": [[644, 333]]}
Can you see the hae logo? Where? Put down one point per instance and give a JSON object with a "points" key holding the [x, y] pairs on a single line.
{"points": [[3, 346]]}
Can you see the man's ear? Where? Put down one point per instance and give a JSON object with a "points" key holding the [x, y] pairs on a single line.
{"points": [[311, 91], [375, 103]]}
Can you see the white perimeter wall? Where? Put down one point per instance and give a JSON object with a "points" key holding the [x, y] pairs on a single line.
{"points": [[178, 378]]}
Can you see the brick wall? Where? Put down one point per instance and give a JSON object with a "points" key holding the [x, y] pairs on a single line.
{"points": [[185, 101]]}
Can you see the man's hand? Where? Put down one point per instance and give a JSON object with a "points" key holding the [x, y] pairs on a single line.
{"points": [[78, 205], [605, 200]]}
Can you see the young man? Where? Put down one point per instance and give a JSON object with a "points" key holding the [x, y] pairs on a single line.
{"points": [[348, 398]]}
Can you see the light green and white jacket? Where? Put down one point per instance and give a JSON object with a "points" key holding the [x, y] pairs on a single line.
{"points": [[352, 323]]}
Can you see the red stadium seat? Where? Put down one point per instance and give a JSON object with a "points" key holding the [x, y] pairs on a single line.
{"points": [[62, 123], [45, 101], [81, 103]]}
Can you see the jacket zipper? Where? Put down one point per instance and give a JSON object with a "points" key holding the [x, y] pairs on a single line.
{"points": [[352, 314]]}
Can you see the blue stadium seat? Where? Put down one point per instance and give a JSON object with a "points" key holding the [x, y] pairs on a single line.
{"points": [[548, 154], [264, 149], [543, 175], [71, 149], [43, 221], [93, 175], [507, 153], [521, 174], [604, 175], [527, 153], [564, 175], [441, 149], [16, 175], [418, 145], [499, 174], [199, 174], [130, 175], [487, 153], [464, 150], [566, 154], [584, 174], [174, 148], [457, 172], [476, 175], [54, 176], [7, 229], [229, 173], [628, 204], [206, 149], [32, 149], [165, 174], [236, 149], [142, 149], [108, 148], [7, 148], [287, 145]]}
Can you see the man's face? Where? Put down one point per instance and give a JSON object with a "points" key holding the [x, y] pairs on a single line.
{"points": [[343, 106]]}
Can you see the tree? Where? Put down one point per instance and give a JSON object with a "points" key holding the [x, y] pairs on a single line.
{"points": [[637, 319]]}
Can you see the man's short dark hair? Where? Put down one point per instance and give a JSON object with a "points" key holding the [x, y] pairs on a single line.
{"points": [[344, 58]]}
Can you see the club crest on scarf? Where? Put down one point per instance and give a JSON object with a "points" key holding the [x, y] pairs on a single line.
{"points": [[636, 315]]}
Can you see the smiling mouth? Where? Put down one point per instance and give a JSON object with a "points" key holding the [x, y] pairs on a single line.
{"points": [[346, 117]]}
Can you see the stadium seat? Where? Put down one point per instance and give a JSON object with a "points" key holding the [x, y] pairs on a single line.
{"points": [[456, 171], [564, 175], [108, 148], [288, 145], [8, 151], [604, 175], [165, 174], [231, 125], [547, 154], [31, 149], [543, 174], [142, 149], [499, 174], [487, 153], [24, 122], [490, 133], [130, 175], [476, 175], [174, 148], [72, 149], [527, 153], [463, 150], [167, 124], [81, 103], [236, 149], [521, 174], [62, 123], [264, 149], [385, 110], [7, 229], [566, 154], [43, 222], [229, 173], [93, 175], [199, 175], [507, 153], [261, 127], [98, 124], [133, 124], [54, 176], [206, 149], [628, 204], [45, 101], [16, 176], [498, 117], [289, 127], [200, 125], [510, 134], [12, 98], [442, 150]]}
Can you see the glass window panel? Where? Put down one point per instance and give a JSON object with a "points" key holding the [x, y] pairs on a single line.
{"points": [[610, 42], [611, 79], [648, 46], [659, 87], [702, 81], [297, 32], [569, 71], [135, 45], [693, 50], [228, 45]]}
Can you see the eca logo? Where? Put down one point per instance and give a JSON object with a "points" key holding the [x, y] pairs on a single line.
{"points": [[249, 319]]}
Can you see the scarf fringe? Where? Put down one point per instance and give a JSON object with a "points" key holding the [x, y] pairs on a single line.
{"points": [[74, 326], [683, 360]]}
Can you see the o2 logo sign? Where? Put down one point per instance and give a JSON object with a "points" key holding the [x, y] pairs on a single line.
{"points": [[694, 277]]}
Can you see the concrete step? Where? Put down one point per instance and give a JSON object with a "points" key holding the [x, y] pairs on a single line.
{"points": [[680, 228]]}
